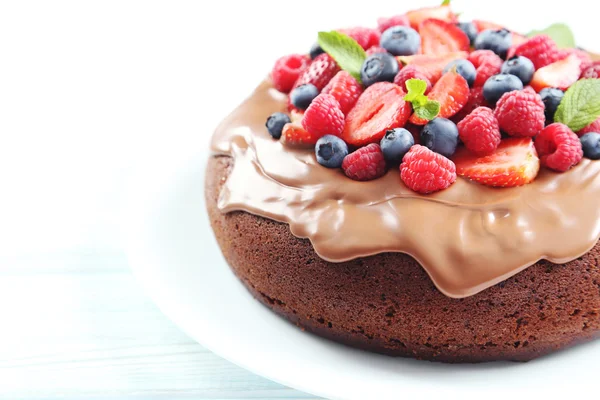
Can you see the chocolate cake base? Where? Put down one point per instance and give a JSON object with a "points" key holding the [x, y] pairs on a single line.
{"points": [[387, 304]]}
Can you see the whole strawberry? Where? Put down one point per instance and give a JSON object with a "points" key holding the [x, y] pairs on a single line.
{"points": [[520, 113], [365, 164], [345, 89], [425, 171], [319, 72], [480, 132], [324, 116], [558, 147]]}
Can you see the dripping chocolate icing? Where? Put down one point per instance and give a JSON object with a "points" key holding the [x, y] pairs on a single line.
{"points": [[467, 237]]}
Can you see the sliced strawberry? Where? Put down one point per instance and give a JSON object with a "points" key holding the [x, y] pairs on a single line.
{"points": [[442, 12], [379, 108], [483, 25], [451, 91], [440, 37], [294, 135], [560, 74], [514, 163], [517, 39], [432, 66]]}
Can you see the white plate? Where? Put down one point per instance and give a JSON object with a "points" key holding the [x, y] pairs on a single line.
{"points": [[173, 252]]}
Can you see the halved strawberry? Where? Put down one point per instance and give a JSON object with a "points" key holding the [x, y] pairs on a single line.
{"points": [[442, 12], [440, 37], [379, 108], [514, 163], [294, 135], [483, 25], [560, 74], [432, 66], [451, 91]]}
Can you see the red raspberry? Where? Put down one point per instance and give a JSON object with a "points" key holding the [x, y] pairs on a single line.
{"points": [[319, 72], [558, 147], [411, 72], [384, 24], [365, 37], [345, 89], [424, 171], [287, 70], [479, 131], [593, 127], [324, 116], [592, 72], [476, 99], [487, 64], [520, 113], [364, 164], [376, 49], [540, 49]]}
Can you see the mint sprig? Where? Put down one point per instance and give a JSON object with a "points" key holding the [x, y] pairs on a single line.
{"points": [[560, 33], [422, 106], [446, 2], [580, 105], [344, 50]]}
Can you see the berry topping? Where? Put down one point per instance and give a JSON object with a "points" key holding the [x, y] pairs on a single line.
{"points": [[411, 72], [345, 89], [315, 51], [365, 164], [592, 72], [401, 41], [275, 124], [519, 66], [294, 135], [469, 29], [424, 171], [558, 147], [479, 131], [319, 72], [365, 37], [485, 25], [395, 144], [590, 143], [560, 74], [432, 66], [497, 85], [476, 99], [540, 49], [440, 135], [513, 163], [440, 37], [487, 64], [375, 50], [593, 127], [551, 98], [451, 91], [383, 24], [287, 70], [520, 113], [379, 67], [496, 40], [303, 95], [330, 151], [324, 116], [443, 12], [381, 107], [464, 68]]}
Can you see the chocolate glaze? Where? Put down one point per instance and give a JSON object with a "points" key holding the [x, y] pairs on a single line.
{"points": [[468, 237]]}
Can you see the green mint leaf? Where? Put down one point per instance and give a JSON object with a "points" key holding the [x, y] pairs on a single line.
{"points": [[560, 33], [344, 50], [429, 111], [423, 107], [581, 104], [415, 87], [420, 100], [446, 2]]}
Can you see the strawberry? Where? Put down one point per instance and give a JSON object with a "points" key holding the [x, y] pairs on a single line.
{"points": [[432, 66], [443, 13], [451, 91], [513, 163], [439, 37], [560, 74], [379, 108], [294, 135], [385, 23], [322, 69], [483, 25]]}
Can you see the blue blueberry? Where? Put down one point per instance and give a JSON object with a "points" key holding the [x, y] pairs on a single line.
{"points": [[379, 67], [590, 142], [275, 124], [315, 51], [496, 40], [464, 68], [330, 151], [303, 95], [469, 29], [519, 66], [401, 41], [395, 144], [499, 84], [551, 98], [440, 135]]}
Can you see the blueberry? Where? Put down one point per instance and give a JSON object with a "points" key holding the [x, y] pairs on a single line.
{"points": [[315, 51], [590, 142], [378, 67], [498, 41], [330, 151], [469, 29], [551, 98], [519, 66], [303, 95], [401, 41], [499, 84], [395, 144], [464, 68], [275, 124], [440, 135]]}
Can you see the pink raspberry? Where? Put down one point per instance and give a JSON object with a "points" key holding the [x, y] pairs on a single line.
{"points": [[365, 164], [365, 37], [424, 171], [558, 147], [384, 24], [520, 113], [540, 49], [480, 132], [486, 63], [286, 71], [324, 116], [345, 89]]}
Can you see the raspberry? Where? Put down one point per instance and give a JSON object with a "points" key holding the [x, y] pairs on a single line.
{"points": [[479, 131], [593, 127], [384, 24], [411, 72], [365, 37], [520, 113], [287, 70], [319, 72], [592, 72], [324, 116], [364, 164], [376, 49], [424, 171], [345, 89], [487, 64], [558, 147], [476, 99], [540, 49]]}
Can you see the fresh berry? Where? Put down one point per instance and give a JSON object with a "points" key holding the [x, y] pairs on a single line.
{"points": [[324, 116], [383, 24], [583, 56], [364, 164], [592, 72], [496, 40], [425, 171], [476, 99], [303, 95], [485, 25], [287, 70], [590, 144], [440, 37], [379, 67], [451, 91], [395, 144], [345, 89], [330, 151], [440, 135], [513, 163], [381, 107], [469, 29], [519, 66], [275, 124], [294, 135], [520, 113], [551, 98], [319, 72], [443, 12], [365, 37], [540, 49], [464, 68], [487, 64], [593, 127], [560, 74], [411, 72], [479, 131], [401, 41], [315, 51], [558, 147], [499, 84], [375, 50], [432, 66]]}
